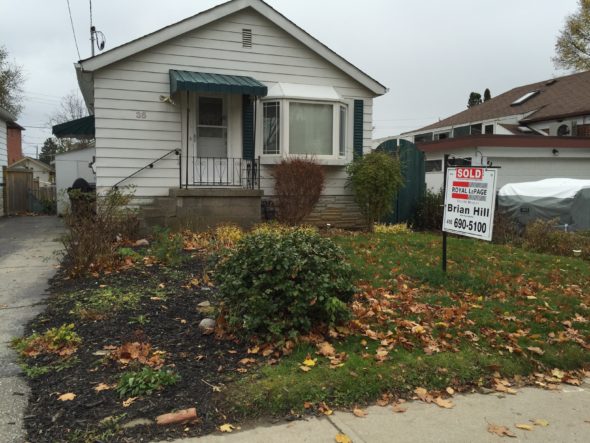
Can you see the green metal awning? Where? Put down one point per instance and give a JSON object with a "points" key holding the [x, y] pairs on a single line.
{"points": [[215, 83], [79, 128]]}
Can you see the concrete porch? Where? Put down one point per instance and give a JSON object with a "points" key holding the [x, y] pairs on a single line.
{"points": [[200, 209]]}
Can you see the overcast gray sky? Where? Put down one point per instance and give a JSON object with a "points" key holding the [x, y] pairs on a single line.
{"points": [[429, 53]]}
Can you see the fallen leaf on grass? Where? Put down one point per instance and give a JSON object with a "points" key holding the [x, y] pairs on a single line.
{"points": [[418, 329], [450, 391], [227, 428], [524, 426], [343, 438], [326, 349], [309, 361], [307, 405], [500, 430], [536, 350], [305, 368], [247, 361], [442, 403], [358, 412], [253, 350], [67, 397], [129, 401], [540, 422]]}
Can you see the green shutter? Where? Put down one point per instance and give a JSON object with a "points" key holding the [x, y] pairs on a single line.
{"points": [[247, 128], [358, 128]]}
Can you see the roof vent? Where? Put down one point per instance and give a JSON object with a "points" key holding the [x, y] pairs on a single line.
{"points": [[246, 38], [524, 98]]}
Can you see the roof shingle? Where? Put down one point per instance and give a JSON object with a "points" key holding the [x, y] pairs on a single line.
{"points": [[558, 97]]}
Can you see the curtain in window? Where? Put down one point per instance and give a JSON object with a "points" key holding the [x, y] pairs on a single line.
{"points": [[310, 128]]}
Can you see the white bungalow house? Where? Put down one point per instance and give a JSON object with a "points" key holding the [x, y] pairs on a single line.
{"points": [[532, 132], [194, 115]]}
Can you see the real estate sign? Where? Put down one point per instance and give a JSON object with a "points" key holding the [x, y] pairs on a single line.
{"points": [[470, 199]]}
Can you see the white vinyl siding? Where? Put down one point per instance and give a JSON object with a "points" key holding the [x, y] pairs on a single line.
{"points": [[125, 143]]}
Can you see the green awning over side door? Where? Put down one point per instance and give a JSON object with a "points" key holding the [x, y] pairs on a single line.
{"points": [[79, 128]]}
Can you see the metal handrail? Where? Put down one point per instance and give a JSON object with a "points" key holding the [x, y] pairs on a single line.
{"points": [[148, 166], [226, 172]]}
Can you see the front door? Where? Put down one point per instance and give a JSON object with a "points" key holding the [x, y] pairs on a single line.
{"points": [[210, 166]]}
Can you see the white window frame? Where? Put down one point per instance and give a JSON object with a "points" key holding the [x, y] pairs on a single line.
{"points": [[279, 129], [284, 128]]}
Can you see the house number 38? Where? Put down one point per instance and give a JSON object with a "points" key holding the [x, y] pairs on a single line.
{"points": [[141, 114]]}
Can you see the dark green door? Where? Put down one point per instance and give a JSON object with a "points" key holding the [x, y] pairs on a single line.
{"points": [[412, 161]]}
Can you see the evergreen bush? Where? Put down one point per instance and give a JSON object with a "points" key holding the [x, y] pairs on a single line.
{"points": [[284, 283]]}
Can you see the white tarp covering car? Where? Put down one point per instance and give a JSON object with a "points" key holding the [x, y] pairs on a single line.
{"points": [[565, 199]]}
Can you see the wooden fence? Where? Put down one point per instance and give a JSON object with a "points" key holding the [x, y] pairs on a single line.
{"points": [[24, 194]]}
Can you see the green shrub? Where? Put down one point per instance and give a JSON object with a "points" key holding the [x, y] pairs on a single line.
{"points": [[167, 247], [428, 215], [283, 283], [298, 186], [375, 179], [144, 382]]}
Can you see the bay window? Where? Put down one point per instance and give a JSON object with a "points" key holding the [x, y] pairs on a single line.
{"points": [[297, 127], [310, 128]]}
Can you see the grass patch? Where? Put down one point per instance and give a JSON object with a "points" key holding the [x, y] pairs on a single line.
{"points": [[34, 371], [105, 431], [96, 304], [499, 309]]}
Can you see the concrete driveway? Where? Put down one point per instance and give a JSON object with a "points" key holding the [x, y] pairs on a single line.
{"points": [[28, 259]]}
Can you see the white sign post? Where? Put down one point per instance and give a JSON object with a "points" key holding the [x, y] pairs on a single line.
{"points": [[470, 199]]}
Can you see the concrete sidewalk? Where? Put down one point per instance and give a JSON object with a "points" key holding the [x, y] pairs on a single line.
{"points": [[567, 411], [27, 261]]}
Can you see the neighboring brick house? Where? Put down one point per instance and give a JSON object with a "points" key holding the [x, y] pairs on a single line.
{"points": [[536, 131], [14, 142]]}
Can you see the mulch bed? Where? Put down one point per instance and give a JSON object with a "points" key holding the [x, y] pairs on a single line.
{"points": [[169, 302]]}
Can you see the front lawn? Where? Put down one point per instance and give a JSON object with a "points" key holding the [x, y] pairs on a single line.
{"points": [[114, 350], [498, 313]]}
